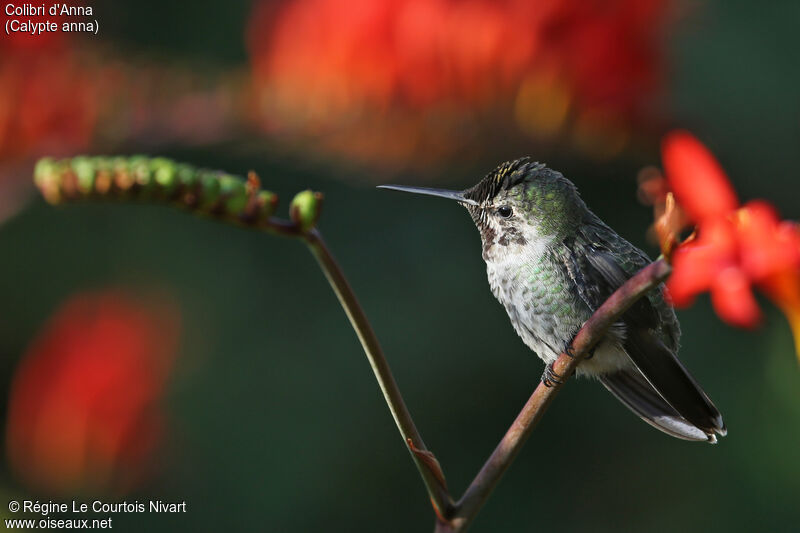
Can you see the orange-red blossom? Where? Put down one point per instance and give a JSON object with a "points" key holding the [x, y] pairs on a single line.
{"points": [[84, 413], [736, 246]]}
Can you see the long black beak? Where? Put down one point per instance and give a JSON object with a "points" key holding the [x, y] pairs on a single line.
{"points": [[458, 196]]}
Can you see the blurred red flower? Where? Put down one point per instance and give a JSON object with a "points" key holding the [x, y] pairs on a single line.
{"points": [[735, 246], [30, 14], [47, 101], [61, 93], [83, 412], [325, 64]]}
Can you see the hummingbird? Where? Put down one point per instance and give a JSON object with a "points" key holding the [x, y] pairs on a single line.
{"points": [[551, 262]]}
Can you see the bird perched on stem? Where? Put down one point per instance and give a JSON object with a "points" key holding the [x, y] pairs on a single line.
{"points": [[551, 262]]}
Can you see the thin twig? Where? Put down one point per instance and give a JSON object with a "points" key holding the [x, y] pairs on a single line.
{"points": [[592, 332], [426, 464]]}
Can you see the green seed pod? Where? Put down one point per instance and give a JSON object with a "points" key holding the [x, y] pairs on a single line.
{"points": [[139, 166], [121, 175], [187, 175], [305, 208], [85, 172], [46, 178], [208, 194], [234, 192], [43, 170], [103, 174], [165, 174]]}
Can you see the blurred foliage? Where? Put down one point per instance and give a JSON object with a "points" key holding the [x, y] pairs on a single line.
{"points": [[276, 422]]}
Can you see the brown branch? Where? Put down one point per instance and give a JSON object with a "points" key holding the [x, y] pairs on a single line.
{"points": [[465, 510]]}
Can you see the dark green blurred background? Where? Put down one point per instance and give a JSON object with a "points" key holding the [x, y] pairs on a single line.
{"points": [[276, 422]]}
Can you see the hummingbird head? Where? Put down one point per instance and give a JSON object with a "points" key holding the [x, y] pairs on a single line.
{"points": [[518, 207]]}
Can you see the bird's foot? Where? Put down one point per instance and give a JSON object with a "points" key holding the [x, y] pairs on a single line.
{"points": [[550, 378]]}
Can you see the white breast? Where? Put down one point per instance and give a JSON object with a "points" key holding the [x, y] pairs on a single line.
{"points": [[534, 312]]}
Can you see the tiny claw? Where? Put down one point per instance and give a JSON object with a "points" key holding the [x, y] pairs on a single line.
{"points": [[571, 353], [550, 378]]}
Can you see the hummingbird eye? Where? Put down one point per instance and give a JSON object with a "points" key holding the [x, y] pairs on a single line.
{"points": [[504, 211]]}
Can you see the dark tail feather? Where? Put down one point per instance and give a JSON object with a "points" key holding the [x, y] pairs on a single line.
{"points": [[631, 388], [672, 381]]}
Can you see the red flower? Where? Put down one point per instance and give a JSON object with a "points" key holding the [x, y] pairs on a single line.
{"points": [[83, 411], [47, 101], [735, 247], [25, 40], [60, 94], [325, 65]]}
